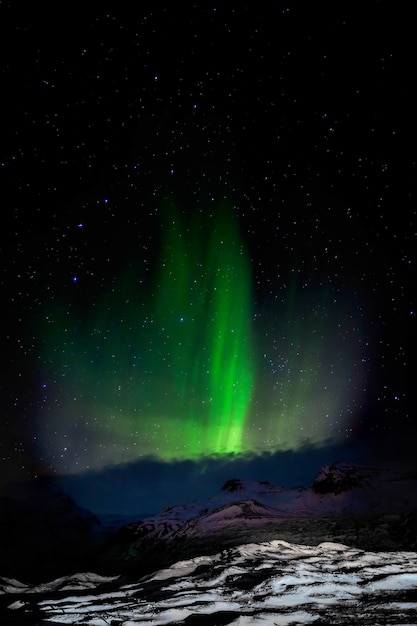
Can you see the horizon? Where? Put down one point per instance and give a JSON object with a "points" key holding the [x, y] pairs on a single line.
{"points": [[147, 487]]}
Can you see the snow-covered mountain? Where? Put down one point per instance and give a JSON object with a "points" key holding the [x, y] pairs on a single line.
{"points": [[358, 506], [254, 540]]}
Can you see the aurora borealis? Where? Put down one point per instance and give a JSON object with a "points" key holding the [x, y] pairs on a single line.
{"points": [[208, 243], [173, 370], [171, 380], [203, 311]]}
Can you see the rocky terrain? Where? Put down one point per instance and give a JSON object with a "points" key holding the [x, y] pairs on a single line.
{"points": [[280, 548], [267, 583]]}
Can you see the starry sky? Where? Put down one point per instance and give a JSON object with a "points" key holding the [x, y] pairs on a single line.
{"points": [[208, 243]]}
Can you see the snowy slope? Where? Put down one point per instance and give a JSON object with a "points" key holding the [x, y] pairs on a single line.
{"points": [[267, 583]]}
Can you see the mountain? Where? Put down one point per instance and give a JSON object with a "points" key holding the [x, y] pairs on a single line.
{"points": [[44, 532], [359, 506], [342, 551]]}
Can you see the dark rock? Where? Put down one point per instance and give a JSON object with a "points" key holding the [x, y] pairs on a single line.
{"points": [[341, 477], [234, 485], [44, 533]]}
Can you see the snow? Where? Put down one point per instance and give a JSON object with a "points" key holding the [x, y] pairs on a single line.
{"points": [[82, 581], [358, 491], [381, 492], [262, 582], [273, 582]]}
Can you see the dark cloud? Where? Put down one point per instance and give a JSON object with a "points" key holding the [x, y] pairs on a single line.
{"points": [[149, 485]]}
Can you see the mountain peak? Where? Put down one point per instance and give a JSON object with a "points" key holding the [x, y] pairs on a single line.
{"points": [[236, 485], [340, 477]]}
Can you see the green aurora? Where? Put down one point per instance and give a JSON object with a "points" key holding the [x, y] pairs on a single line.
{"points": [[175, 373], [172, 378]]}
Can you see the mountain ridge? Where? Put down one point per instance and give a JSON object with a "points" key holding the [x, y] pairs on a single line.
{"points": [[360, 506], [347, 503]]}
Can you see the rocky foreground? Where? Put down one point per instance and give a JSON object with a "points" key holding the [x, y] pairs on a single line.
{"points": [[264, 583]]}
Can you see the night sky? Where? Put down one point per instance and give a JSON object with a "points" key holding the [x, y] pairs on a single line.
{"points": [[208, 243]]}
